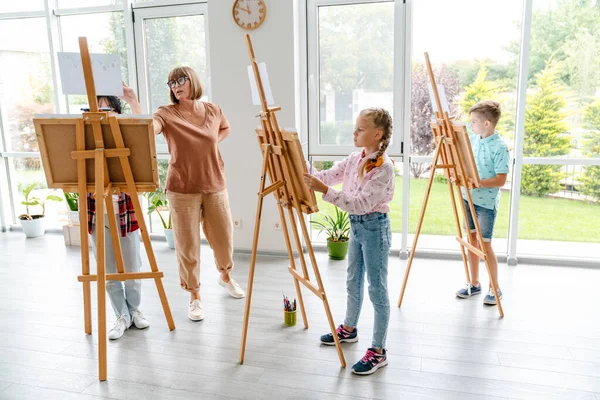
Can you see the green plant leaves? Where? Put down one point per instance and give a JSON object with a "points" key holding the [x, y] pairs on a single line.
{"points": [[337, 227]]}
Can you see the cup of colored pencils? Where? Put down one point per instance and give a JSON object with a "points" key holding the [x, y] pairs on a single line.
{"points": [[289, 312]]}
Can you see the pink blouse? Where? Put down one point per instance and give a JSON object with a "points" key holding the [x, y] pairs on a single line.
{"points": [[372, 194]]}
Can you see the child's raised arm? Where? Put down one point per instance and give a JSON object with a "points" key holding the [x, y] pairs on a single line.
{"points": [[378, 187], [331, 176]]}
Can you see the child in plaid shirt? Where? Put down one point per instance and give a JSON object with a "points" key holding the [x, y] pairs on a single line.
{"points": [[124, 297]]}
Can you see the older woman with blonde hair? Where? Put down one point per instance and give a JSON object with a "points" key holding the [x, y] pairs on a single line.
{"points": [[196, 186]]}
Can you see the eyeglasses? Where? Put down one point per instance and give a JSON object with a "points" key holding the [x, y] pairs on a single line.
{"points": [[177, 82]]}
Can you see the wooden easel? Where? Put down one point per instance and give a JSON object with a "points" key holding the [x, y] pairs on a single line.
{"points": [[103, 187], [453, 154], [284, 162]]}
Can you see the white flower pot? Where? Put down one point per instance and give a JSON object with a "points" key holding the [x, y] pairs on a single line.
{"points": [[33, 227], [169, 237], [73, 217]]}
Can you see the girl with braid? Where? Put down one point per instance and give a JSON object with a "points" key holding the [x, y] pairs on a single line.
{"points": [[367, 179]]}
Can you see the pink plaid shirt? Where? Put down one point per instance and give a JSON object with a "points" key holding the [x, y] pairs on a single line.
{"points": [[372, 194]]}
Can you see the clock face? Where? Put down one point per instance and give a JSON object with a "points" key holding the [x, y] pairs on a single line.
{"points": [[249, 14]]}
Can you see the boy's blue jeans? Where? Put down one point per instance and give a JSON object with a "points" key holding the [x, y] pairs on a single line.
{"points": [[370, 241], [486, 218]]}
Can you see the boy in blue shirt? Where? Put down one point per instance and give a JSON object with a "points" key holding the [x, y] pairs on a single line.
{"points": [[492, 158]]}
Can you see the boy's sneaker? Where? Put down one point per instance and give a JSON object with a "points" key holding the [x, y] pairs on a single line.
{"points": [[490, 299], [468, 291], [370, 363], [195, 312], [233, 288], [118, 328], [139, 320], [343, 335]]}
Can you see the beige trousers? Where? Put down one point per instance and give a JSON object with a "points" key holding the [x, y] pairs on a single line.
{"points": [[189, 212]]}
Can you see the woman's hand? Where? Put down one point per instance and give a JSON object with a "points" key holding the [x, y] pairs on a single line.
{"points": [[130, 97], [315, 184]]}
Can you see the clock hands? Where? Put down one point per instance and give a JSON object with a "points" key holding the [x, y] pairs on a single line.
{"points": [[247, 9]]}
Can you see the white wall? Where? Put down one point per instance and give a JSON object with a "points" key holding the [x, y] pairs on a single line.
{"points": [[274, 44]]}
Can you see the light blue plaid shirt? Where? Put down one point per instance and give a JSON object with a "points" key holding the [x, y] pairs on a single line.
{"points": [[491, 157]]}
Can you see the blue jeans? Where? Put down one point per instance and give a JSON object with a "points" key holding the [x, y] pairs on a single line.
{"points": [[370, 241], [486, 218], [124, 297]]}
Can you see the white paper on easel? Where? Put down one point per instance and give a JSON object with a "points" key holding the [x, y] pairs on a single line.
{"points": [[106, 69], [264, 77], [443, 99]]}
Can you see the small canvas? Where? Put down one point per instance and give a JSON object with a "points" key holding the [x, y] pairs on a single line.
{"points": [[443, 99], [264, 77], [106, 69], [294, 177]]}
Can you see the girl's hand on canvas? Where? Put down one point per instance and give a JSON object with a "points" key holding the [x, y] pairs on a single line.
{"points": [[130, 98], [128, 94], [315, 184]]}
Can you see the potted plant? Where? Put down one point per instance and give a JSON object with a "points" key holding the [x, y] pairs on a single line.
{"points": [[157, 201], [33, 224], [338, 231], [73, 205]]}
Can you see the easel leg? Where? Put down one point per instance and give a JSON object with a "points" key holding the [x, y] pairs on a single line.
{"points": [[420, 223], [494, 284], [85, 267], [87, 307], [301, 303], [154, 267], [458, 227], [145, 236], [291, 255], [332, 326], [259, 205], [251, 278], [101, 264], [83, 228]]}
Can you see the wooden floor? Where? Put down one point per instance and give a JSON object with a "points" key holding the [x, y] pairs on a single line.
{"points": [[546, 347]]}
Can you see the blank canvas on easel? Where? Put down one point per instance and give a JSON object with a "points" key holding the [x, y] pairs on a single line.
{"points": [[106, 69], [58, 134], [306, 198], [462, 150]]}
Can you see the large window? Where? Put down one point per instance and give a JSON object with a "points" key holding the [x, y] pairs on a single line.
{"points": [[553, 188], [26, 89], [480, 68], [560, 177], [160, 48], [27, 86], [105, 33], [361, 53], [355, 70], [25, 81], [439, 227], [165, 33], [564, 223]]}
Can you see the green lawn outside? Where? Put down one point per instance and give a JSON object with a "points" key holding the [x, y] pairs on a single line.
{"points": [[539, 219]]}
